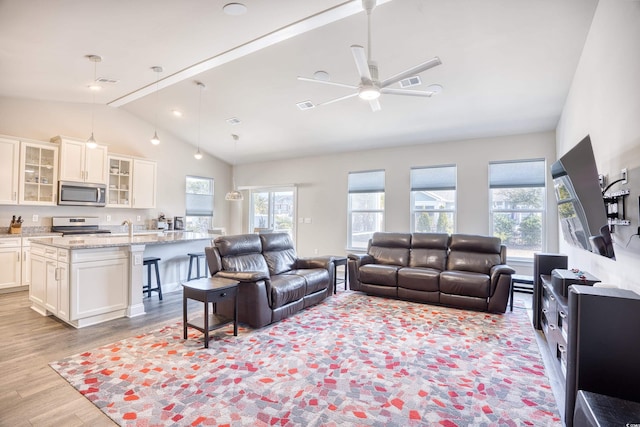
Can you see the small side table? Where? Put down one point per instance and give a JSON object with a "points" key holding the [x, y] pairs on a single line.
{"points": [[337, 261], [522, 279], [206, 290]]}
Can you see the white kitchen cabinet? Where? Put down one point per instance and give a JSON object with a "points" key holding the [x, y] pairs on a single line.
{"points": [[38, 173], [120, 176], [144, 184], [78, 163], [9, 170], [49, 290], [25, 277], [10, 251]]}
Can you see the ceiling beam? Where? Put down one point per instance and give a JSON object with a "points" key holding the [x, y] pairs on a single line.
{"points": [[312, 22]]}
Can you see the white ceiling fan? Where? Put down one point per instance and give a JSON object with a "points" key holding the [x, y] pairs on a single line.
{"points": [[370, 87]]}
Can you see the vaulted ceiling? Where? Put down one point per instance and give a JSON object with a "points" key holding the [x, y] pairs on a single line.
{"points": [[507, 67]]}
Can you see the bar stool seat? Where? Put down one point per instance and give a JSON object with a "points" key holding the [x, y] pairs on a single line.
{"points": [[149, 262], [196, 256]]}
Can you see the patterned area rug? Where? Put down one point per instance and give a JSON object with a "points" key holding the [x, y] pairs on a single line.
{"points": [[352, 360]]}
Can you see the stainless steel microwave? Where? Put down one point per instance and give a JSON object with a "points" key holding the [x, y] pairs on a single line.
{"points": [[81, 194]]}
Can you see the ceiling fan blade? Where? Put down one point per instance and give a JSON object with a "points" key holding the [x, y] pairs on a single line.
{"points": [[307, 79], [390, 91], [361, 62], [331, 101], [411, 71], [375, 105]]}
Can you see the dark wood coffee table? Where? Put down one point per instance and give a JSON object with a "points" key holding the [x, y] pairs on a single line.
{"points": [[209, 290]]}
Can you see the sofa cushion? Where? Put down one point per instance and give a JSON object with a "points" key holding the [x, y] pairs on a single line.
{"points": [[316, 279], [249, 262], [429, 250], [238, 245], [420, 279], [473, 253], [465, 283], [286, 288], [378, 274], [279, 252], [390, 248]]}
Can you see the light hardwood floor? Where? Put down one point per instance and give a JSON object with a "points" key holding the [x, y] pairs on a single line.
{"points": [[33, 394]]}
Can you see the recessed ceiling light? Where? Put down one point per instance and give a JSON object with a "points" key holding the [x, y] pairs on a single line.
{"points": [[435, 89], [177, 113], [323, 76], [94, 86], [234, 9]]}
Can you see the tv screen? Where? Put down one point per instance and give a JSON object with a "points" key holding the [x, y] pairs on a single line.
{"points": [[581, 208]]}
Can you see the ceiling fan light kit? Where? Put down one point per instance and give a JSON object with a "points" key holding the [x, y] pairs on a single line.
{"points": [[370, 87]]}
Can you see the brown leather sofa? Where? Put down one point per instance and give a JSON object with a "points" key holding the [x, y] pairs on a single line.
{"points": [[461, 270], [274, 282]]}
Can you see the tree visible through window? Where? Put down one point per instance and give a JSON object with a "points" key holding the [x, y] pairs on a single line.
{"points": [[517, 197], [433, 199], [199, 204]]}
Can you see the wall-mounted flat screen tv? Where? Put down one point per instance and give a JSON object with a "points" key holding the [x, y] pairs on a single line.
{"points": [[581, 208]]}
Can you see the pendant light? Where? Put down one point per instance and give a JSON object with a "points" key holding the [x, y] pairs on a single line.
{"points": [[201, 85], [155, 140], [94, 86], [234, 195]]}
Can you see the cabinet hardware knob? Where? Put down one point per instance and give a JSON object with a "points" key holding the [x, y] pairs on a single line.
{"points": [[224, 294]]}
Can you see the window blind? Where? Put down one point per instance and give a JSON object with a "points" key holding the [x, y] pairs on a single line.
{"points": [[366, 182], [433, 178], [526, 173]]}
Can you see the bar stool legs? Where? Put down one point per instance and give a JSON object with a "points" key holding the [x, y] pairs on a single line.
{"points": [[149, 262], [196, 256]]}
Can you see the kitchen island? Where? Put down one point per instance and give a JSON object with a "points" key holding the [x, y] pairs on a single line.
{"points": [[85, 280]]}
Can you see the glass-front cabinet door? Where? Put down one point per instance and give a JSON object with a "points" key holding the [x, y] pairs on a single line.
{"points": [[119, 195], [38, 173]]}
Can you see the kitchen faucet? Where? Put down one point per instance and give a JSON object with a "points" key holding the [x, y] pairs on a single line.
{"points": [[128, 223]]}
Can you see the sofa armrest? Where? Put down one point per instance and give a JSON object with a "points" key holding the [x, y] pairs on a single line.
{"points": [[243, 276], [497, 271], [361, 259]]}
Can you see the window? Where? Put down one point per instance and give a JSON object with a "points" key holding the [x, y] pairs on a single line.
{"points": [[433, 199], [273, 209], [517, 203], [199, 204], [365, 207]]}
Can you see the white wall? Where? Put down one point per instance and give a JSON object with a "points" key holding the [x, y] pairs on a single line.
{"points": [[604, 102], [124, 134], [322, 185]]}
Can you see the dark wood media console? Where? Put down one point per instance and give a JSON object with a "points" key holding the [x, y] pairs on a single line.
{"points": [[593, 335]]}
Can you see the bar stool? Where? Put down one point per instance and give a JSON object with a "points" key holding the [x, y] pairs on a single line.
{"points": [[196, 256], [152, 261]]}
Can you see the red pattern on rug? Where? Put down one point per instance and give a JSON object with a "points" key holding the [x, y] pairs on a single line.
{"points": [[352, 360]]}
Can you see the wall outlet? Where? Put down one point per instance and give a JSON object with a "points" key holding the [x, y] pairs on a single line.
{"points": [[108, 218], [138, 218], [315, 251], [34, 218]]}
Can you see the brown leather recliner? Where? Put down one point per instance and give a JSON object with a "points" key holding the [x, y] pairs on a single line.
{"points": [[460, 270], [274, 282]]}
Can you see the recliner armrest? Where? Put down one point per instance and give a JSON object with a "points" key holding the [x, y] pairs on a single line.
{"points": [[361, 259], [495, 273], [243, 276]]}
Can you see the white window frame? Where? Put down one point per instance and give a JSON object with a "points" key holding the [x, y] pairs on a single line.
{"points": [[433, 183], [193, 211], [526, 182], [356, 185]]}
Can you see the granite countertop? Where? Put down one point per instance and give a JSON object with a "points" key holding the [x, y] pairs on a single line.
{"points": [[29, 234], [110, 240]]}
